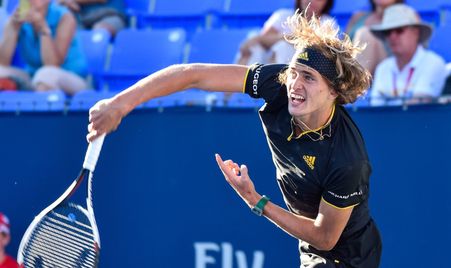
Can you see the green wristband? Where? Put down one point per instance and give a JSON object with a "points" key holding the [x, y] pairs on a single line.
{"points": [[258, 208]]}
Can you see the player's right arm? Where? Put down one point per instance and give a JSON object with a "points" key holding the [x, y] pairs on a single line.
{"points": [[106, 115]]}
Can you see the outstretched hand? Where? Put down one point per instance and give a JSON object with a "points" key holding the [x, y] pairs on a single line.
{"points": [[238, 178], [104, 117]]}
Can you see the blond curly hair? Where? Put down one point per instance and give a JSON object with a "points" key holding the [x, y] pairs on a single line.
{"points": [[353, 79]]}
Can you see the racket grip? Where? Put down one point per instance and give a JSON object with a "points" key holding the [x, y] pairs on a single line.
{"points": [[92, 154]]}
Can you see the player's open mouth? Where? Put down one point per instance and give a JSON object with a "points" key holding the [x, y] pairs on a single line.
{"points": [[297, 98]]}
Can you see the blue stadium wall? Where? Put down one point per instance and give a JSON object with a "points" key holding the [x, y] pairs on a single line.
{"points": [[161, 201]]}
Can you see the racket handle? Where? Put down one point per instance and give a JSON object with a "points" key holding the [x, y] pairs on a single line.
{"points": [[92, 154]]}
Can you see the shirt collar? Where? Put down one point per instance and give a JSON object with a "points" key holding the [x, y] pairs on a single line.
{"points": [[314, 134], [414, 62]]}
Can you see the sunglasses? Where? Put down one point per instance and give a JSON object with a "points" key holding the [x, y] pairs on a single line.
{"points": [[397, 31]]}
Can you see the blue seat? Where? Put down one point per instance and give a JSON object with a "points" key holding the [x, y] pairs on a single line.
{"points": [[429, 10], [84, 100], [191, 15], [138, 53], [249, 13], [216, 46], [138, 6], [29, 101], [190, 97], [95, 45], [441, 40], [446, 14], [196, 97], [238, 100], [11, 5]]}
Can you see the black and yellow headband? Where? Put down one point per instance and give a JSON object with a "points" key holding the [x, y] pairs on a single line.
{"points": [[317, 61]]}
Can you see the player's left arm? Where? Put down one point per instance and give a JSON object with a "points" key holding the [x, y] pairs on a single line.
{"points": [[322, 232]]}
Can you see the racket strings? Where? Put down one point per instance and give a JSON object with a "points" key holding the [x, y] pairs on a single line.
{"points": [[63, 238]]}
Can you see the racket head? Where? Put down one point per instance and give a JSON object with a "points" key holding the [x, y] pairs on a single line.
{"points": [[66, 236]]}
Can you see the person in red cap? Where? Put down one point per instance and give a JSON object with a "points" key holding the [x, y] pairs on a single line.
{"points": [[6, 261]]}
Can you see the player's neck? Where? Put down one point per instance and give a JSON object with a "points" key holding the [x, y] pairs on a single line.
{"points": [[314, 122]]}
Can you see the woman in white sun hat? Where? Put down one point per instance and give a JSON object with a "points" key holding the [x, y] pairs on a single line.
{"points": [[412, 72]]}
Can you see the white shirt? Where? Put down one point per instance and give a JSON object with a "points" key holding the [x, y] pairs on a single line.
{"points": [[423, 76]]}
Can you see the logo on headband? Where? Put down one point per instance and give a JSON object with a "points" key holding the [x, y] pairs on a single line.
{"points": [[315, 59], [303, 56]]}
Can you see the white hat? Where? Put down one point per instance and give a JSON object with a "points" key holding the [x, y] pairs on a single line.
{"points": [[400, 15], [4, 223]]}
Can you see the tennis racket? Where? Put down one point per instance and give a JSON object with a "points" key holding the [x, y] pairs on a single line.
{"points": [[65, 234]]}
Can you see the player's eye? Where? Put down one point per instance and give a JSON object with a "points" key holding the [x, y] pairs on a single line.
{"points": [[293, 74]]}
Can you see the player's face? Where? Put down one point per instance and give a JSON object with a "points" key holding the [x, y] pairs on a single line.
{"points": [[309, 94]]}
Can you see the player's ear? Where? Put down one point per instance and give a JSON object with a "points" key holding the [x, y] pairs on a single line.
{"points": [[333, 92]]}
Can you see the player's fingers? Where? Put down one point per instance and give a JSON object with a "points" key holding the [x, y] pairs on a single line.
{"points": [[224, 166], [91, 136], [244, 171]]}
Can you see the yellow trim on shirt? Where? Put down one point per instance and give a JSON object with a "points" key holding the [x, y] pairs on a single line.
{"points": [[313, 130], [245, 80], [322, 198]]}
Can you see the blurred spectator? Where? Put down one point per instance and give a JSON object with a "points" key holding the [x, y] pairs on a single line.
{"points": [[6, 261], [269, 46], [358, 29], [45, 36], [412, 71], [99, 14], [447, 88]]}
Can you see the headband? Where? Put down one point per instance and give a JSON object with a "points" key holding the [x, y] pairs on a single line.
{"points": [[316, 60]]}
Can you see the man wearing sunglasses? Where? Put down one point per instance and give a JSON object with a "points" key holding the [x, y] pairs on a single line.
{"points": [[413, 73]]}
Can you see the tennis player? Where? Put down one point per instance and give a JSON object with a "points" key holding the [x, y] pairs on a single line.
{"points": [[321, 161]]}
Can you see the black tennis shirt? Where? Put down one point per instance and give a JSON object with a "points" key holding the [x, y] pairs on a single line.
{"points": [[309, 169]]}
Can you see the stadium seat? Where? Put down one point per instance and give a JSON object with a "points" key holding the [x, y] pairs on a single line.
{"points": [[138, 53], [429, 10], [139, 6], [84, 100], [343, 10], [10, 5], [246, 14], [95, 45], [216, 46], [238, 100], [446, 14], [196, 97], [191, 15], [29, 101], [441, 40]]}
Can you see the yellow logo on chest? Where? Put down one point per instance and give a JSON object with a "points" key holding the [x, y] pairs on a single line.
{"points": [[310, 160]]}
